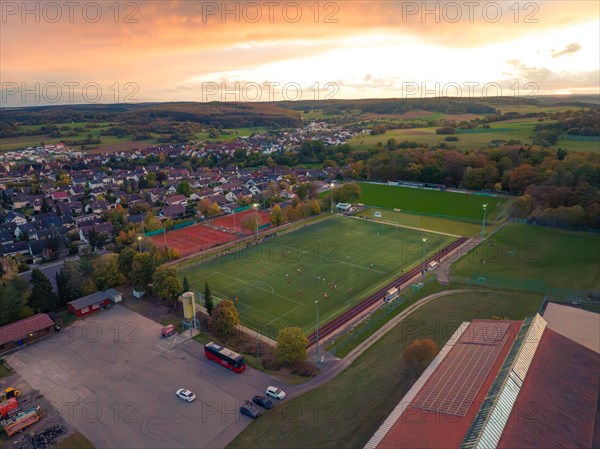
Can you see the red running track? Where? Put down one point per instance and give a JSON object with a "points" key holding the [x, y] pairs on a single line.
{"points": [[350, 314]]}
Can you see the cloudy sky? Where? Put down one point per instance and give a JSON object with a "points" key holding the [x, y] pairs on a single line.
{"points": [[206, 51]]}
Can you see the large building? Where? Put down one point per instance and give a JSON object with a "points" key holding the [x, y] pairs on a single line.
{"points": [[18, 335], [505, 384]]}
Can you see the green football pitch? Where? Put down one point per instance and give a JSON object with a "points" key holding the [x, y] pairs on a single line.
{"points": [[276, 283], [448, 204]]}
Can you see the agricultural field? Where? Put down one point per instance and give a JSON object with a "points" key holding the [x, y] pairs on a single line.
{"points": [[21, 142], [427, 223], [448, 204], [277, 283], [346, 411], [473, 139], [108, 143], [561, 259], [469, 139]]}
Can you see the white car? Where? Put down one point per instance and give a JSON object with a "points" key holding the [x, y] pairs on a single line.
{"points": [[275, 392], [186, 395]]}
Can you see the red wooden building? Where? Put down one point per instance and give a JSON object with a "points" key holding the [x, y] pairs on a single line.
{"points": [[89, 304]]}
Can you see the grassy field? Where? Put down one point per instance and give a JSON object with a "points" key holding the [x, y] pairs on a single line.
{"points": [[21, 142], [346, 411], [469, 139], [473, 139], [74, 441], [4, 371], [449, 204], [425, 222], [562, 259], [266, 281]]}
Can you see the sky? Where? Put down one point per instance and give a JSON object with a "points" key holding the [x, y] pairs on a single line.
{"points": [[55, 52]]}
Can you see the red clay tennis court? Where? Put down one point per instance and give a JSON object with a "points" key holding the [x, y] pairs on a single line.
{"points": [[193, 239], [232, 221]]}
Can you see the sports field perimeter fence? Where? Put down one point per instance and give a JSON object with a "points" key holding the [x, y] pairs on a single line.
{"points": [[482, 279]]}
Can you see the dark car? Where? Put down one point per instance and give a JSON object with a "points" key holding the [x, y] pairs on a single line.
{"points": [[262, 401], [249, 410]]}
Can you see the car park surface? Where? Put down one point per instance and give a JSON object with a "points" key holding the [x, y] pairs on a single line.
{"points": [[110, 378]]}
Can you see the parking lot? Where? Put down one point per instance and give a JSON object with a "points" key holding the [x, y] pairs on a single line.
{"points": [[113, 378]]}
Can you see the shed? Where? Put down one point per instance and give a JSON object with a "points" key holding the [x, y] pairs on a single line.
{"points": [[115, 296], [26, 331], [89, 304], [343, 207]]}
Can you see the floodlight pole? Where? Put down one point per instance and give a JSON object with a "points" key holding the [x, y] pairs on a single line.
{"points": [[423, 269], [256, 218], [332, 192], [140, 242], [165, 234], [483, 227], [317, 332]]}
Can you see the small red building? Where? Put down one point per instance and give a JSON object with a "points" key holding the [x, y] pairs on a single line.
{"points": [[89, 304], [24, 332]]}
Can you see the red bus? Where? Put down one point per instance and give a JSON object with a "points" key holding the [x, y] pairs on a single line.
{"points": [[225, 357]]}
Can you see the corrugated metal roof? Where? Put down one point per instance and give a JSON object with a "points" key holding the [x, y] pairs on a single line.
{"points": [[88, 300], [488, 425]]}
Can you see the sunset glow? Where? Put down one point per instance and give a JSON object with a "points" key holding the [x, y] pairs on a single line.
{"points": [[367, 49]]}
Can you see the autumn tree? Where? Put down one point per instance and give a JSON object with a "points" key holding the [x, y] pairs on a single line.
{"points": [[419, 353], [224, 319], [276, 216], [166, 284], [291, 345], [249, 222], [142, 269], [106, 272], [125, 259]]}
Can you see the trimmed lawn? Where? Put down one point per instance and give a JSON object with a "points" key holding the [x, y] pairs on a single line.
{"points": [[74, 441], [563, 259], [428, 223], [277, 282], [447, 204], [346, 411]]}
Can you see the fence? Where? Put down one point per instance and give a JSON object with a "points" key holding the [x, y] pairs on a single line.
{"points": [[184, 225], [356, 333], [151, 233], [512, 283], [529, 221], [241, 209]]}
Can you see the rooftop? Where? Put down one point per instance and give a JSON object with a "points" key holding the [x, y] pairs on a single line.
{"points": [[22, 328]]}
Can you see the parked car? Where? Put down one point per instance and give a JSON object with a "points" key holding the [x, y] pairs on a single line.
{"points": [[167, 331], [262, 401], [275, 392], [185, 394], [249, 410]]}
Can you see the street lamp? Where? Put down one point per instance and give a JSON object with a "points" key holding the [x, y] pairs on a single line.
{"points": [[423, 270], [483, 227], [332, 191], [317, 333], [255, 206], [140, 242]]}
